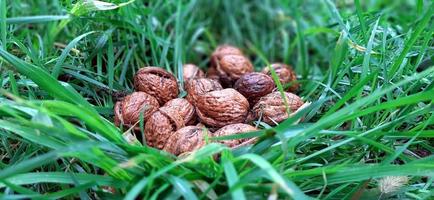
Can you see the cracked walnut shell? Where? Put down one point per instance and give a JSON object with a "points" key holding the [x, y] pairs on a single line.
{"points": [[285, 73], [196, 87], [184, 108], [127, 111], [271, 108], [186, 139], [222, 107], [254, 85], [161, 125], [231, 130], [156, 82]]}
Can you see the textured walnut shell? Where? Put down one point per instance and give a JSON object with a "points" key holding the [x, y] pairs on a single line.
{"points": [[156, 82], [231, 67], [192, 71], [286, 75], [161, 125], [222, 107], [231, 130], [254, 85], [272, 107], [184, 108], [127, 111], [196, 87], [185, 140], [224, 50]]}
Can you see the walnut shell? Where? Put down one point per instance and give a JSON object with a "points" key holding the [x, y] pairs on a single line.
{"points": [[184, 108], [254, 85], [222, 107], [127, 111], [161, 125], [212, 74], [225, 50], [185, 140], [272, 108], [156, 82], [233, 129], [196, 87], [192, 71], [231, 67], [286, 75]]}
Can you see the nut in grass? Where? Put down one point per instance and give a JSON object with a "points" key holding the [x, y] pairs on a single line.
{"points": [[156, 82]]}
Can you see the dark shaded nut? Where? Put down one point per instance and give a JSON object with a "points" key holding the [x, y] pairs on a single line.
{"points": [[254, 85], [161, 125], [127, 111], [231, 130], [156, 82], [271, 108], [184, 108], [231, 67], [192, 71], [286, 75], [212, 73], [196, 87], [222, 107], [186, 139]]}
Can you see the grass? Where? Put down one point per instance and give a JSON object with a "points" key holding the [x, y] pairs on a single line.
{"points": [[366, 66]]}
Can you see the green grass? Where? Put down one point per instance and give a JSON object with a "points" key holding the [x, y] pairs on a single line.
{"points": [[366, 66]]}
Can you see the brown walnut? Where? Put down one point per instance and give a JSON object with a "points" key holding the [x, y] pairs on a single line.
{"points": [[271, 108], [127, 111], [231, 67], [156, 82], [161, 125], [192, 71], [224, 50], [185, 140], [222, 107], [231, 130], [254, 85], [196, 87], [184, 108], [285, 73]]}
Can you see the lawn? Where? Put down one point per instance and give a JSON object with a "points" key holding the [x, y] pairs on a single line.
{"points": [[365, 66]]}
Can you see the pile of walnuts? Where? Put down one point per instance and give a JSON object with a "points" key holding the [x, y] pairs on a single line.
{"points": [[223, 101]]}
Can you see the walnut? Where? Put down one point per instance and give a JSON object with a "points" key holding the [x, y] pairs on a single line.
{"points": [[196, 87], [127, 111], [271, 108], [212, 74], [192, 71], [224, 50], [161, 125], [231, 67], [222, 107], [184, 108], [156, 82], [185, 140], [286, 75], [254, 85], [231, 130]]}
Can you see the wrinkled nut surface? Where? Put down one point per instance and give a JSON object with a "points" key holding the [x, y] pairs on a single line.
{"points": [[286, 75], [222, 107], [127, 111], [192, 71], [196, 87], [185, 140], [231, 130], [184, 108], [271, 108], [224, 50], [254, 85], [231, 67], [156, 82], [161, 125]]}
